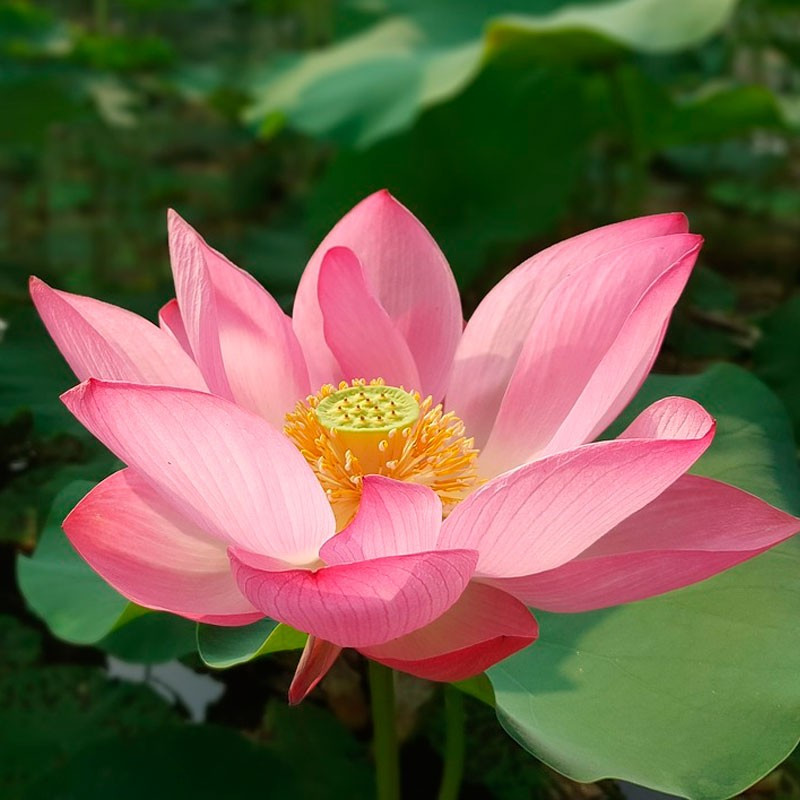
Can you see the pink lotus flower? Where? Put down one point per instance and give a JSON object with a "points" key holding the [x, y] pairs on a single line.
{"points": [[260, 482]]}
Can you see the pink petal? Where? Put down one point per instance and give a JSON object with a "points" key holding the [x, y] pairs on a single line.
{"points": [[317, 658], [621, 357], [361, 335], [103, 341], [358, 604], [546, 513], [614, 307], [223, 468], [493, 339], [673, 418], [623, 368], [393, 519], [695, 529], [151, 555], [197, 303], [409, 276], [170, 321], [485, 626], [240, 335]]}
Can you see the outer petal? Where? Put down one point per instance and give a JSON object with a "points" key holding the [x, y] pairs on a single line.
{"points": [[409, 276], [197, 303], [596, 395], [485, 626], [104, 341], [240, 336], [317, 658], [607, 310], [493, 339], [695, 529], [623, 368], [170, 321], [393, 519], [546, 513], [362, 336], [223, 468], [358, 604], [150, 554]]}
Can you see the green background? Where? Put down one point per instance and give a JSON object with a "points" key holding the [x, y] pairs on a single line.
{"points": [[505, 126]]}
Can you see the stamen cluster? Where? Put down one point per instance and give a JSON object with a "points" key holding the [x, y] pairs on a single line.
{"points": [[430, 449]]}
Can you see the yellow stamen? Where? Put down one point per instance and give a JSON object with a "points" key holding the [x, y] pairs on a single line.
{"points": [[394, 433]]}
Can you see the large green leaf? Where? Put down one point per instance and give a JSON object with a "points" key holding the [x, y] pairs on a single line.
{"points": [[150, 638], [649, 26], [694, 693], [376, 81], [222, 647]]}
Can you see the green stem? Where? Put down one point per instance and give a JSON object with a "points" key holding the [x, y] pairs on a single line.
{"points": [[454, 744], [384, 732]]}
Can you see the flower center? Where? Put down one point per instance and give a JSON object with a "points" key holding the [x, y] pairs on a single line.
{"points": [[363, 416], [370, 428]]}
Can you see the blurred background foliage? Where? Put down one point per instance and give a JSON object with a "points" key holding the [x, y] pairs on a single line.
{"points": [[503, 125]]}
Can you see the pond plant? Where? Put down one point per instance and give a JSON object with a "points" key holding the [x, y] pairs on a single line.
{"points": [[377, 475]]}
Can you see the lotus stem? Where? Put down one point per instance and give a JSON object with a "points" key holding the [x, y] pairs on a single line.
{"points": [[387, 764], [454, 744]]}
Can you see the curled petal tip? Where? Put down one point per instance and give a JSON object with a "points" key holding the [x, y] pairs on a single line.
{"points": [[385, 194], [296, 696], [381, 199], [40, 292], [73, 395], [680, 215], [317, 658], [696, 240], [175, 222]]}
